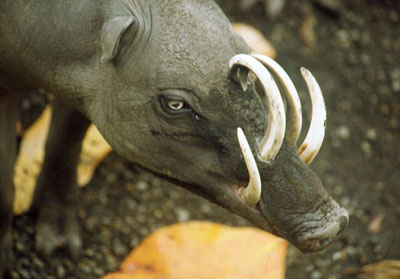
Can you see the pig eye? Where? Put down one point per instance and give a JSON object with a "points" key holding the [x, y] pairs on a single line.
{"points": [[175, 105]]}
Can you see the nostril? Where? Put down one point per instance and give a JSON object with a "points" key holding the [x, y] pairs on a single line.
{"points": [[319, 244]]}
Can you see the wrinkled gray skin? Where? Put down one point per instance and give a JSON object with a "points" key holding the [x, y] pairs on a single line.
{"points": [[115, 61]]}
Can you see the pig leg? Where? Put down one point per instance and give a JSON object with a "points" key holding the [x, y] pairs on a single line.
{"points": [[55, 203], [8, 116]]}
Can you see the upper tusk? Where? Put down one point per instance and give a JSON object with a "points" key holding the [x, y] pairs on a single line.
{"points": [[273, 138], [252, 193], [315, 135], [294, 113]]}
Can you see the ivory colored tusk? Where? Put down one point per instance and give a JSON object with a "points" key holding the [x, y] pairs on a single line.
{"points": [[273, 138], [315, 135], [252, 193], [295, 117]]}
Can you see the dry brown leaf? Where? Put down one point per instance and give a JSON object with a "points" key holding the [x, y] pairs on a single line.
{"points": [[31, 156], [255, 39], [375, 225], [307, 31], [381, 270], [200, 250]]}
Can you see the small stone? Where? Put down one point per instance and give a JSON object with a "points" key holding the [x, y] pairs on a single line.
{"points": [[111, 178], [141, 218], [366, 148], [14, 275], [119, 248], [337, 190], [142, 186], [395, 74], [89, 253], [134, 242], [274, 8], [336, 256], [24, 274], [38, 262], [316, 274], [309, 268], [205, 208], [60, 271], [396, 85], [158, 214], [86, 268], [344, 38], [371, 134], [19, 246], [182, 214], [343, 132], [98, 271], [112, 262], [26, 104], [131, 204], [351, 251], [365, 59], [378, 248]]}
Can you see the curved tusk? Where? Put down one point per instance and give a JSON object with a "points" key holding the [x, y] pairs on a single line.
{"points": [[252, 193], [294, 114], [315, 135], [273, 138]]}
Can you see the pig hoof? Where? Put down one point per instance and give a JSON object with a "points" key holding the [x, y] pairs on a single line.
{"points": [[6, 257], [57, 231]]}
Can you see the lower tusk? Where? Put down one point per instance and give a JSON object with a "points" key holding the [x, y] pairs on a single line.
{"points": [[315, 135], [252, 193]]}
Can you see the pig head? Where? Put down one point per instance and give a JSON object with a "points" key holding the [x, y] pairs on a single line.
{"points": [[164, 84], [176, 104]]}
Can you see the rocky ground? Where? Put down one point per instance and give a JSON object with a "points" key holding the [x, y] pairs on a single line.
{"points": [[353, 49]]}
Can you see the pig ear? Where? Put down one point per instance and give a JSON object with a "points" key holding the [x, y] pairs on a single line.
{"points": [[112, 33]]}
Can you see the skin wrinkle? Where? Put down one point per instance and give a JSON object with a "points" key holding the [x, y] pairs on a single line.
{"points": [[302, 225]]}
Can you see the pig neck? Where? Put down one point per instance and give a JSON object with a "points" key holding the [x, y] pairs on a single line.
{"points": [[53, 45]]}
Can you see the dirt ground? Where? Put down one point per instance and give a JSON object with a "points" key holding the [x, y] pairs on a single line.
{"points": [[354, 53]]}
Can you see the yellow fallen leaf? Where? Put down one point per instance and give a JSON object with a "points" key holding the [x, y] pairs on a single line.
{"points": [[31, 154], [94, 150], [255, 39], [29, 162], [204, 250]]}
